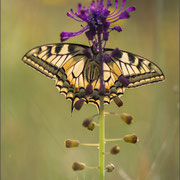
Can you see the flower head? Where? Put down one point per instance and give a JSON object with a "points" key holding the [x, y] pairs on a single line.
{"points": [[77, 166], [110, 167], [115, 149], [69, 143], [98, 19]]}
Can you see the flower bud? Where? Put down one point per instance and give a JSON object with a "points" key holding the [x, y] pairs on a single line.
{"points": [[102, 89], [110, 167], [107, 58], [115, 149], [87, 121], [65, 36], [106, 26], [89, 89], [90, 35], [105, 36], [100, 28], [127, 118], [118, 101], [131, 138], [116, 53], [103, 19], [78, 105], [91, 126], [69, 143], [117, 28], [123, 80], [77, 166]]}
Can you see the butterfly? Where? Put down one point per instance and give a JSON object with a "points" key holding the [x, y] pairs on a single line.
{"points": [[73, 71]]}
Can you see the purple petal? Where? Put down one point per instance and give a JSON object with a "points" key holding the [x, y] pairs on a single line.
{"points": [[68, 14], [85, 9], [78, 105], [89, 89], [116, 6], [92, 4], [64, 39], [83, 15], [101, 3], [123, 3], [90, 35], [124, 81], [103, 19], [116, 53], [65, 36], [81, 31], [116, 3], [102, 89], [107, 58], [72, 11], [100, 28], [71, 16], [68, 34], [117, 28], [117, 13], [106, 26], [105, 12], [131, 8], [124, 15], [105, 36], [108, 4], [79, 7]]}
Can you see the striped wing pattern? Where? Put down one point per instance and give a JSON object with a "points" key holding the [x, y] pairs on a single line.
{"points": [[140, 71], [73, 71]]}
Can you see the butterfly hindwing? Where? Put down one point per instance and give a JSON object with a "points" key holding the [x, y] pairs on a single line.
{"points": [[65, 63]]}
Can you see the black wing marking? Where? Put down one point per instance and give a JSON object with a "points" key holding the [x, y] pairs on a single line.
{"points": [[138, 70]]}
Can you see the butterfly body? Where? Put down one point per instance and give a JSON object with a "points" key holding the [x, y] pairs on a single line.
{"points": [[73, 70]]}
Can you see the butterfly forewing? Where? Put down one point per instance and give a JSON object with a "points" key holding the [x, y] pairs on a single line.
{"points": [[48, 59], [138, 70]]}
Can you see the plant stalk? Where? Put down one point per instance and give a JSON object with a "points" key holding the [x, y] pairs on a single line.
{"points": [[101, 140], [101, 116]]}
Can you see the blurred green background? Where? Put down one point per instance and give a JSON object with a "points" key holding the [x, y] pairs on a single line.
{"points": [[36, 119]]}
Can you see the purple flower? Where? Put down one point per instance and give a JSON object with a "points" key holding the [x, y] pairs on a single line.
{"points": [[107, 58], [124, 81], [98, 19], [89, 89], [116, 53], [78, 105]]}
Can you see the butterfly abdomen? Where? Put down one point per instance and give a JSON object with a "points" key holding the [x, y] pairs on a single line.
{"points": [[92, 72]]}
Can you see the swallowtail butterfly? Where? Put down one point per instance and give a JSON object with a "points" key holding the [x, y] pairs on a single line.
{"points": [[73, 71]]}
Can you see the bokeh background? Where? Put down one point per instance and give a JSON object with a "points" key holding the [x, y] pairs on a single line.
{"points": [[36, 119]]}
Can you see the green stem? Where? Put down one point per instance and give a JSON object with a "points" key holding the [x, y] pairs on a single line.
{"points": [[101, 140], [83, 144], [101, 115], [117, 139]]}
